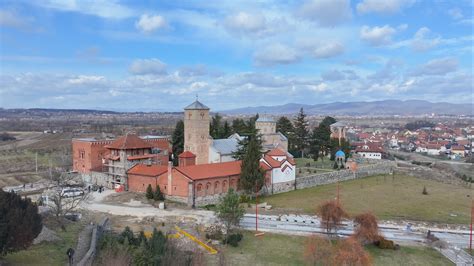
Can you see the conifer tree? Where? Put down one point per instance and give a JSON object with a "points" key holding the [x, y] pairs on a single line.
{"points": [[252, 176], [149, 192], [177, 141], [158, 195], [284, 126], [301, 132]]}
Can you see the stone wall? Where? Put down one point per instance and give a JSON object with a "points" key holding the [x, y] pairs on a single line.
{"points": [[97, 232], [281, 187], [382, 167], [96, 178]]}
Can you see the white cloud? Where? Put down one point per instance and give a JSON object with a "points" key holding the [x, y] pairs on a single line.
{"points": [[243, 23], [383, 6], [109, 9], [11, 19], [439, 66], [150, 23], [148, 66], [87, 80], [275, 54], [326, 13], [327, 50], [377, 36], [424, 40], [455, 13]]}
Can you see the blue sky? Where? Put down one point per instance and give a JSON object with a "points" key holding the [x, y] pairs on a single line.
{"points": [[157, 55]]}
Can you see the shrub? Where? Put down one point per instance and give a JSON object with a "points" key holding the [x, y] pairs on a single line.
{"points": [[233, 239], [383, 243], [149, 192], [20, 222], [425, 192], [335, 166], [244, 198], [158, 195]]}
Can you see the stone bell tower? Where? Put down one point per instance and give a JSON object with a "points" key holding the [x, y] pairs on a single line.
{"points": [[196, 131]]}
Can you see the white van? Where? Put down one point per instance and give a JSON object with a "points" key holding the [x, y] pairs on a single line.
{"points": [[72, 192]]}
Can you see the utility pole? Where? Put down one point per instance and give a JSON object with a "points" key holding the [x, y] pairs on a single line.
{"points": [[36, 162], [256, 208]]}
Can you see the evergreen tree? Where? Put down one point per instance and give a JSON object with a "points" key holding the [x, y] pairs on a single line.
{"points": [[158, 195], [20, 222], [301, 132], [319, 142], [149, 192], [327, 121], [285, 126], [226, 130], [239, 126], [177, 141], [216, 129], [251, 175]]}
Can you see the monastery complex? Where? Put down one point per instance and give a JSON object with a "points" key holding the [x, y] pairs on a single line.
{"points": [[206, 168]]}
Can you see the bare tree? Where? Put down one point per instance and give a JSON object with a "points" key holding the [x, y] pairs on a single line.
{"points": [[367, 230], [331, 213], [318, 251], [66, 194], [350, 252]]}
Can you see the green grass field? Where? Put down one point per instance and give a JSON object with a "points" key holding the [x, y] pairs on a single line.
{"points": [[274, 249], [48, 253], [388, 197]]}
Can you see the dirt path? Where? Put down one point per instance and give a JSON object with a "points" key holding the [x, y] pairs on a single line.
{"points": [[141, 210]]}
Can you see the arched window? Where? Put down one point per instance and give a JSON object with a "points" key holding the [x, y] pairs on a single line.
{"points": [[208, 189], [232, 184], [216, 187], [224, 186], [199, 190]]}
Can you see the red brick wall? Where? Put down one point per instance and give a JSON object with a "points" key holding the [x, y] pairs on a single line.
{"points": [[139, 183], [216, 185], [92, 152]]}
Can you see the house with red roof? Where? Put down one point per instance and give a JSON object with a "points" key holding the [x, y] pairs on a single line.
{"points": [[202, 184]]}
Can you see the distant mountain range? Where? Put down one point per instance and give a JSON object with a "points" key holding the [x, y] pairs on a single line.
{"points": [[386, 107]]}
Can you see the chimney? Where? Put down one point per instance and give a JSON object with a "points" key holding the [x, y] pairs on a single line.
{"points": [[148, 162], [170, 178]]}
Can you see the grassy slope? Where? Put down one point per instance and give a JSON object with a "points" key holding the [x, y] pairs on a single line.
{"points": [[48, 253], [274, 249], [399, 197]]}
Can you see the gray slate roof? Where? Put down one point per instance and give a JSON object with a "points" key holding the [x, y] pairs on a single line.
{"points": [[225, 146], [197, 105], [265, 118], [339, 124]]}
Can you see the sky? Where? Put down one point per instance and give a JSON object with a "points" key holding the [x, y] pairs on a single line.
{"points": [[159, 55]]}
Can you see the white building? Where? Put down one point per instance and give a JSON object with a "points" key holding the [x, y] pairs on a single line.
{"points": [[280, 170], [369, 152]]}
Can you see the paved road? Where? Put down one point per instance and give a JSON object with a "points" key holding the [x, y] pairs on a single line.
{"points": [[305, 225]]}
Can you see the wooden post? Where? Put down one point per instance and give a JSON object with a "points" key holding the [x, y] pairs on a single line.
{"points": [[470, 234], [256, 208]]}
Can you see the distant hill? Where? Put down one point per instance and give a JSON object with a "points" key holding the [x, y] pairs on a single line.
{"points": [[386, 107]]}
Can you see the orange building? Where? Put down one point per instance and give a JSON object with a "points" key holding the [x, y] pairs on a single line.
{"points": [[91, 155], [189, 183]]}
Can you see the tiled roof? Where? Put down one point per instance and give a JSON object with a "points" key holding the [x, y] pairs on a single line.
{"points": [[264, 166], [148, 170], [276, 152], [272, 162], [205, 171], [128, 142], [187, 154], [197, 105]]}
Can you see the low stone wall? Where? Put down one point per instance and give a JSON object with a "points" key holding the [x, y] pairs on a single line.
{"points": [[95, 178], [382, 167], [206, 200], [96, 234], [281, 187]]}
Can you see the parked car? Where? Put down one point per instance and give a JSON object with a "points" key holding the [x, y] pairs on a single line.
{"points": [[72, 192]]}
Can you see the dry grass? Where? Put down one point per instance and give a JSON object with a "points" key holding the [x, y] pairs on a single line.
{"points": [[388, 197]]}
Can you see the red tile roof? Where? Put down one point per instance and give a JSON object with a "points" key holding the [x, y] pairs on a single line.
{"points": [[187, 154], [148, 170], [212, 170], [129, 142], [264, 166], [272, 162], [276, 152]]}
